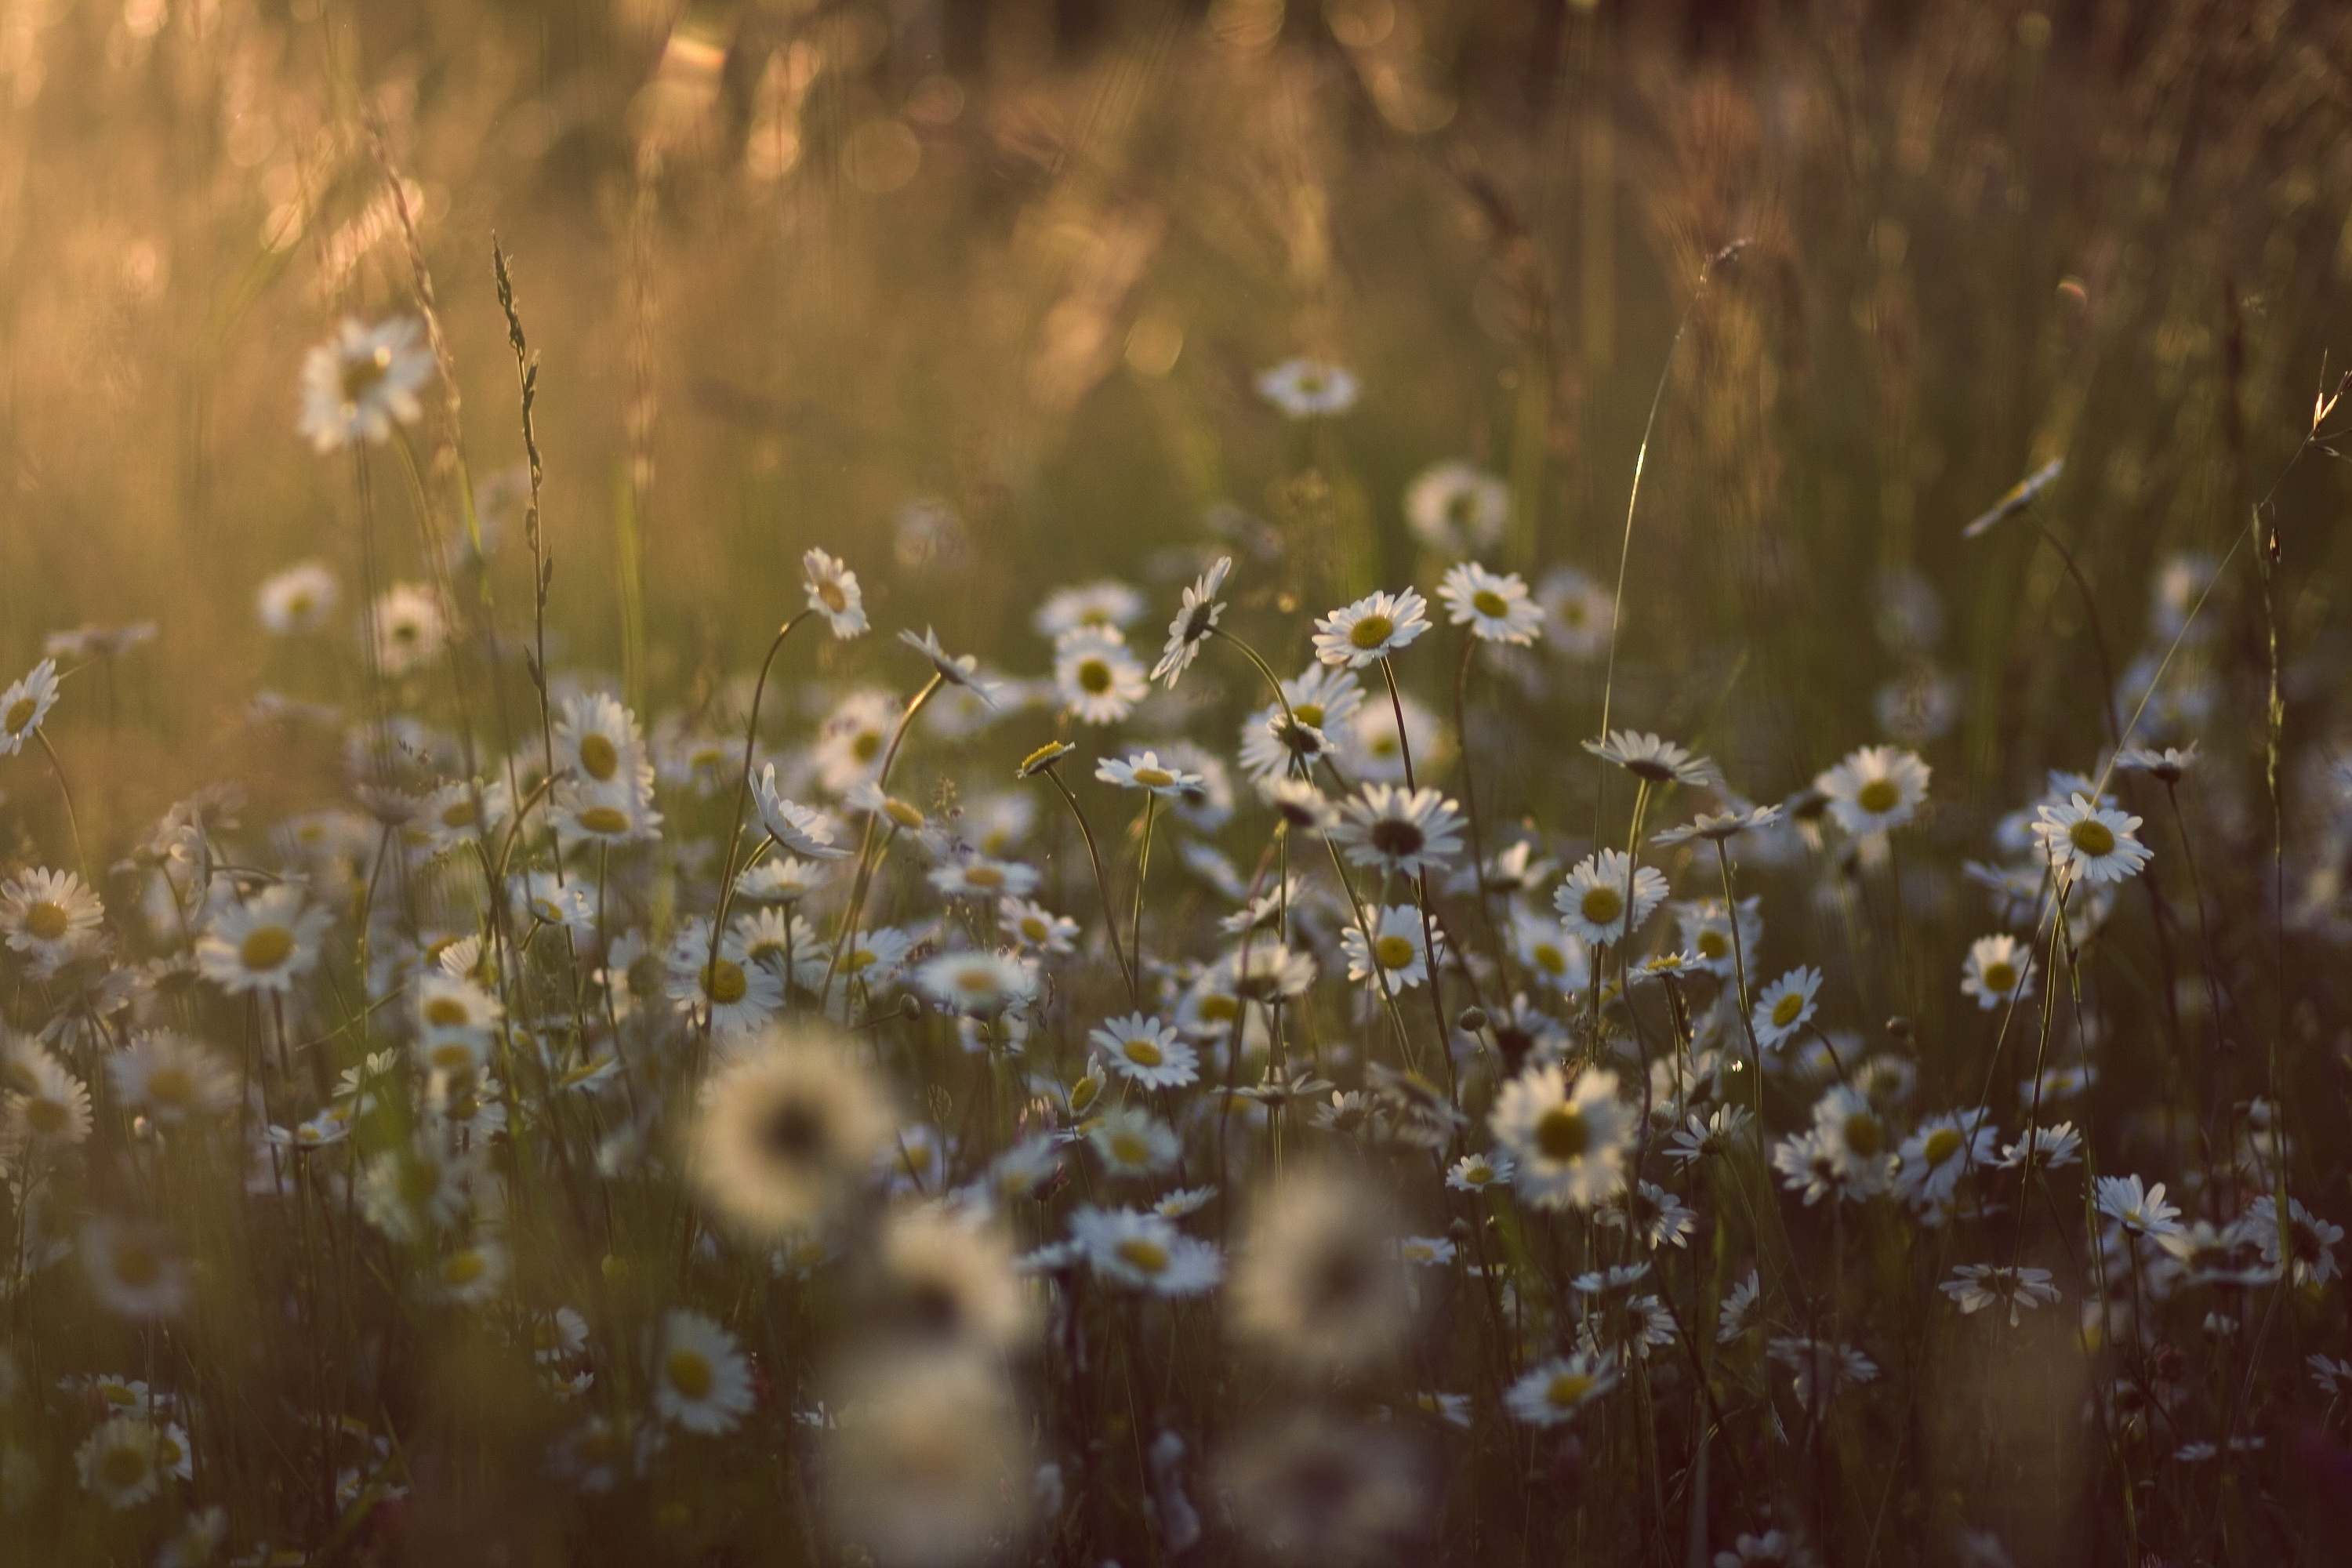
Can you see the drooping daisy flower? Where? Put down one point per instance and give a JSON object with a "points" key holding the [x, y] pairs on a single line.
{"points": [[1742, 1310], [1717, 827], [1552, 1394], [1321, 701], [51, 917], [1592, 900], [2052, 1148], [1404, 833], [1653, 760], [1145, 771], [1318, 1283], [298, 599], [1457, 509], [2137, 1210], [2167, 764], [1705, 929], [1372, 628], [978, 985], [2311, 1240], [703, 1381], [1146, 1051], [1096, 675], [265, 943], [133, 1270], [1876, 788], [1145, 1251], [1494, 605], [784, 1133], [833, 593], [1712, 1136], [120, 1463], [800, 830], [1568, 1145], [2094, 842], [952, 668], [358, 384], [1785, 1007], [1820, 1367], [24, 706], [1308, 388], [171, 1079], [1397, 950], [1976, 1286], [1195, 619]]}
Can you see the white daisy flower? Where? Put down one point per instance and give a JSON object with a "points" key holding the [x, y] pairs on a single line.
{"points": [[2311, 1240], [51, 917], [1998, 969], [2052, 1148], [1850, 1132], [1494, 605], [979, 877], [950, 1283], [1146, 1051], [2097, 842], [2135, 1209], [1322, 702], [785, 1132], [1875, 788], [1195, 619], [1714, 1135], [1476, 1173], [1976, 1286], [1653, 760], [1097, 677], [703, 1381], [1820, 1366], [1785, 1007], [833, 593], [1717, 827], [1404, 833], [24, 706], [798, 830], [1132, 1142], [1705, 932], [1183, 1202], [298, 599], [726, 989], [172, 1080], [1107, 603], [978, 985], [1555, 1392], [1372, 628], [1568, 1145], [264, 943], [1579, 612], [1145, 1251], [48, 1105], [410, 629], [1742, 1310], [1397, 950], [952, 668], [469, 1276], [598, 740], [133, 1270], [1547, 947], [1033, 926], [1318, 1284], [1145, 771], [851, 740], [1592, 900], [1457, 509], [360, 383], [1938, 1152], [2167, 764], [121, 1463], [1308, 388]]}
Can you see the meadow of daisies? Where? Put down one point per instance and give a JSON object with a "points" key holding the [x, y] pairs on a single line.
{"points": [[1255, 969]]}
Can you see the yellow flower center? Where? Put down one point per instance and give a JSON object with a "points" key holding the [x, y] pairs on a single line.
{"points": [[2091, 837], [899, 812], [829, 593], [459, 812], [170, 1086], [464, 1269], [984, 876], [361, 377], [1143, 1053], [1148, 1257], [266, 948], [690, 1374], [1942, 1144], [1094, 677], [1567, 1390], [1308, 713], [724, 982], [1490, 604], [1371, 632], [1862, 1135], [1130, 1149], [1714, 944], [447, 1013], [1154, 778], [1785, 1011], [1220, 1009], [1602, 905], [1393, 951], [48, 921], [123, 1468], [2000, 977], [605, 819], [20, 713], [136, 1264], [1034, 929], [1879, 796], [1562, 1133], [46, 1115], [1550, 959], [599, 758]]}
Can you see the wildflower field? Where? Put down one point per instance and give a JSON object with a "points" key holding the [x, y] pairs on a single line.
{"points": [[1164, 781]]}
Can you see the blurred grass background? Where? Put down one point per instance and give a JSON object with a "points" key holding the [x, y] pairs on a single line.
{"points": [[794, 265]]}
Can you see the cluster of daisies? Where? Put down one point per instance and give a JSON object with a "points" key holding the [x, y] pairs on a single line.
{"points": [[1059, 1115]]}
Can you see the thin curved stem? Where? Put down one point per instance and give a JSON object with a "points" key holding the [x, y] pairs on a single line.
{"points": [[65, 791], [1102, 887]]}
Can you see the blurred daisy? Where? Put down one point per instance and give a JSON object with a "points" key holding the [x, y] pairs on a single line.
{"points": [[1875, 788], [121, 1463], [598, 740], [703, 1381], [1653, 760], [1998, 969], [1307, 389], [1146, 1051], [833, 593], [1097, 677], [1973, 1287], [1397, 951], [723, 988], [298, 599], [1132, 1142], [1314, 1490], [1592, 900], [1545, 947], [1457, 509], [980, 877], [1107, 603], [1321, 700], [24, 706], [2096, 843], [2136, 1210], [51, 917], [2168, 765], [1579, 612], [1318, 1283], [468, 1276], [409, 628], [1717, 827], [1850, 1132], [1785, 1007], [1145, 1251], [2311, 1240], [1495, 607], [48, 1105], [1144, 770], [785, 1132], [133, 1270], [962, 670], [1373, 628], [1820, 1367], [171, 1079], [264, 943], [1555, 1392], [1036, 927], [1938, 1152], [952, 1284], [1568, 1145], [1195, 619], [1476, 1173], [797, 829], [1705, 930], [850, 742], [1404, 833], [1712, 1136], [1742, 1310], [2052, 1148], [358, 384], [935, 1469], [978, 985]]}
